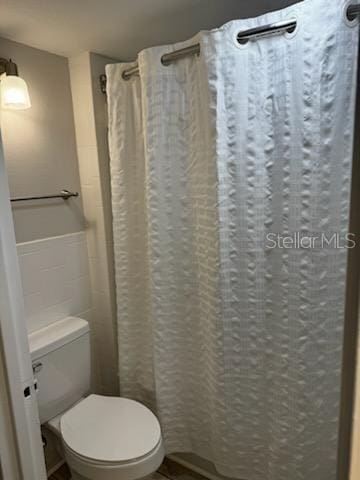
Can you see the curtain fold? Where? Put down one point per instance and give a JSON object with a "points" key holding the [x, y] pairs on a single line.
{"points": [[234, 344]]}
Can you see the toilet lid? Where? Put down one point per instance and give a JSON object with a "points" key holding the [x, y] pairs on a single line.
{"points": [[110, 429]]}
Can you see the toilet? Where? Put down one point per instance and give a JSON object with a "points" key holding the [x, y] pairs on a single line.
{"points": [[103, 438]]}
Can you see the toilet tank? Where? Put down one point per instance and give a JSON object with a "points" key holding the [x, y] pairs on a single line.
{"points": [[60, 355]]}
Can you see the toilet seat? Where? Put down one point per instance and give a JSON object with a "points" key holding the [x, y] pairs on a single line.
{"points": [[109, 430], [111, 438], [99, 464]]}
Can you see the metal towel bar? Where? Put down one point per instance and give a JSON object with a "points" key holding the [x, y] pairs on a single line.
{"points": [[64, 194]]}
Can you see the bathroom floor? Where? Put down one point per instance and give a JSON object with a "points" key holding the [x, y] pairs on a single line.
{"points": [[169, 470], [62, 473]]}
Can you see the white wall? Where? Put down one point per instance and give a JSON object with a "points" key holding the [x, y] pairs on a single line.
{"points": [[97, 68], [90, 127], [64, 255], [39, 146], [63, 275]]}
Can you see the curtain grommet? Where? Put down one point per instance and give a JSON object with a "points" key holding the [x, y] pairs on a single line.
{"points": [[242, 44], [125, 76], [348, 21], [164, 63], [290, 35]]}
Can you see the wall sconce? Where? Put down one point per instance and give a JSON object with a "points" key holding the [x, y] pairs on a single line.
{"points": [[13, 89]]}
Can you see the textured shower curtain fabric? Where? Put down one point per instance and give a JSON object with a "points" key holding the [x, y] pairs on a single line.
{"points": [[233, 342]]}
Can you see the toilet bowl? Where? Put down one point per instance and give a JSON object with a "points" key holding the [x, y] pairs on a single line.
{"points": [[109, 438], [103, 438]]}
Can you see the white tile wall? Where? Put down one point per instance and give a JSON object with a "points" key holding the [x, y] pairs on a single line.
{"points": [[55, 278], [90, 126]]}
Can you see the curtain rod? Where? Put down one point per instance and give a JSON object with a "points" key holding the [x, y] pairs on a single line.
{"points": [[166, 59], [243, 37], [64, 194]]}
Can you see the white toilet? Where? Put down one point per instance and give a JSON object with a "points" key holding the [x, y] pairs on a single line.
{"points": [[103, 438]]}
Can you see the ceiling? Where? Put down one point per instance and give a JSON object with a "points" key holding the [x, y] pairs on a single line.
{"points": [[118, 28]]}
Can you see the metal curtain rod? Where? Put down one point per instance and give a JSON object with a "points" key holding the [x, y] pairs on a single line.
{"points": [[166, 59], [243, 37], [64, 194]]}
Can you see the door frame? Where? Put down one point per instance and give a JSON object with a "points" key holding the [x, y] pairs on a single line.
{"points": [[19, 380]]}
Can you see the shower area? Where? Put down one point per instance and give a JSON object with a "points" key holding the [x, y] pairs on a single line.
{"points": [[219, 146], [213, 241], [216, 145]]}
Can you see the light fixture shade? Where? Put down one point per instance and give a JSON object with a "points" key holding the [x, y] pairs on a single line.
{"points": [[14, 93]]}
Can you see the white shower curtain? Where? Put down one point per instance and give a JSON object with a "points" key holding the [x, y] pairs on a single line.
{"points": [[236, 345]]}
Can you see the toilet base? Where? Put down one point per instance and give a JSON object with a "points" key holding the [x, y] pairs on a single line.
{"points": [[84, 469], [77, 476]]}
